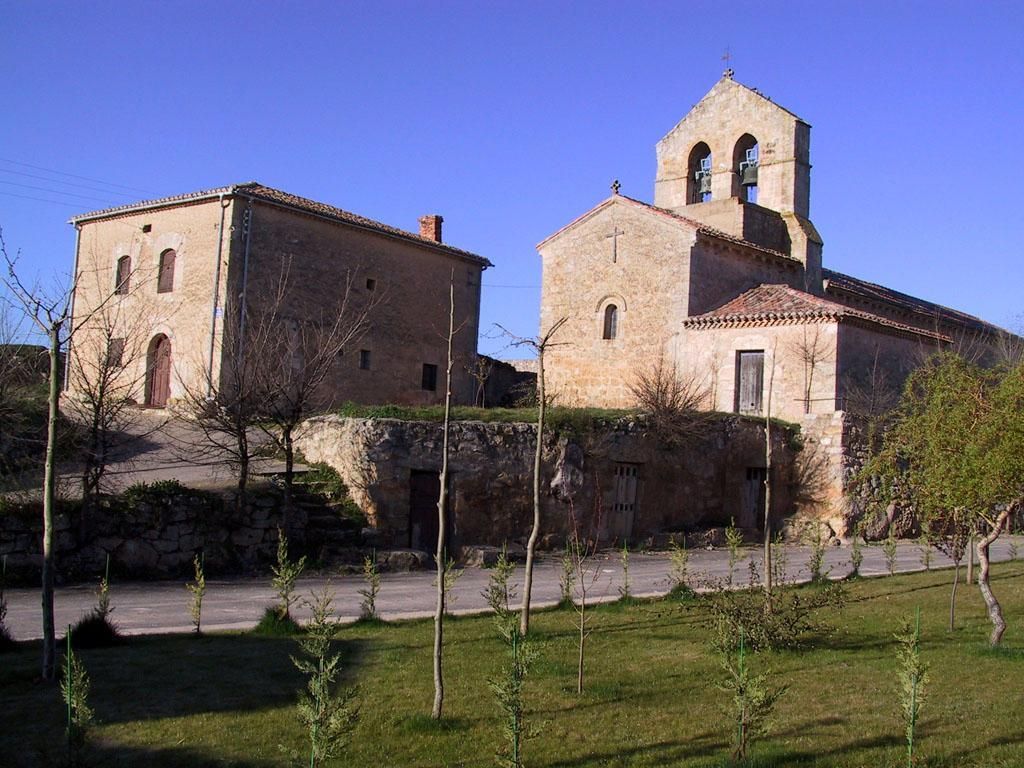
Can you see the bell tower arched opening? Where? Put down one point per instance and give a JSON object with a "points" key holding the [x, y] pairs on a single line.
{"points": [[745, 162], [698, 177]]}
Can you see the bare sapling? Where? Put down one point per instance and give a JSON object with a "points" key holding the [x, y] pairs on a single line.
{"points": [[540, 346], [441, 553], [585, 577]]}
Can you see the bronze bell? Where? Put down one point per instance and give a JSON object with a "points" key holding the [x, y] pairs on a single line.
{"points": [[748, 174], [703, 182]]}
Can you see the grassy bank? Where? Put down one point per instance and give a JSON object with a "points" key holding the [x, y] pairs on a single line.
{"points": [[651, 700]]}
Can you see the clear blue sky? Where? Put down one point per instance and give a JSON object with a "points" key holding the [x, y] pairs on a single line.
{"points": [[510, 119]]}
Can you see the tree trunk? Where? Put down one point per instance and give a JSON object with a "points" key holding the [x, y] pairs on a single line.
{"points": [[289, 474], [531, 544], [970, 561], [995, 611], [49, 499], [442, 503], [583, 641], [767, 580], [952, 595]]}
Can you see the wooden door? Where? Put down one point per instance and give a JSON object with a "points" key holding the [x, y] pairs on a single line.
{"points": [[158, 385], [749, 381], [623, 509], [424, 491]]}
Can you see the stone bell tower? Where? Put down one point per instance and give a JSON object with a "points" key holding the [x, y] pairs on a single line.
{"points": [[741, 163]]}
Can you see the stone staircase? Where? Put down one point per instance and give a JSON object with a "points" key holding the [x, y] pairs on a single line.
{"points": [[329, 536]]}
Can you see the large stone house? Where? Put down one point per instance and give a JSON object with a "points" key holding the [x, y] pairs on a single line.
{"points": [[722, 278], [175, 273]]}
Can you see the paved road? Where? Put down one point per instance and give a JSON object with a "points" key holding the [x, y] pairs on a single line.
{"points": [[157, 607]]}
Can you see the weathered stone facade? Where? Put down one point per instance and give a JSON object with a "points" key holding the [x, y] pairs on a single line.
{"points": [[722, 279], [238, 245], [619, 481]]}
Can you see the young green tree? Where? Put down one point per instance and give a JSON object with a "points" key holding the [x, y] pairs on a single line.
{"points": [[958, 445]]}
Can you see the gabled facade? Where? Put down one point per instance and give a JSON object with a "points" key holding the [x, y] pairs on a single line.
{"points": [[175, 273], [722, 278]]}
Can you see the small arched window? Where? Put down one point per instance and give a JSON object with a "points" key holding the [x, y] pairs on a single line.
{"points": [[611, 322], [699, 176], [165, 279], [124, 274], [745, 161]]}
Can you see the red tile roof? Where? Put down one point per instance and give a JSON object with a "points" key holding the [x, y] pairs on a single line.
{"points": [[258, 191], [777, 304], [924, 312]]}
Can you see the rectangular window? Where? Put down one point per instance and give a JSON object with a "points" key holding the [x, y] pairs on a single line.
{"points": [[371, 284], [749, 381], [429, 381], [364, 359], [115, 353]]}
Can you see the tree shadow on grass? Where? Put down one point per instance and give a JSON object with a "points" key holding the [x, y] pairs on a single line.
{"points": [[109, 755], [665, 752]]}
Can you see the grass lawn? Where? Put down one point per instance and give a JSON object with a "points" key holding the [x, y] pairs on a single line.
{"points": [[651, 699]]}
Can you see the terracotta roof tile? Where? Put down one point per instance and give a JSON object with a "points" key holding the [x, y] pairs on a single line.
{"points": [[775, 304], [271, 195], [927, 312]]}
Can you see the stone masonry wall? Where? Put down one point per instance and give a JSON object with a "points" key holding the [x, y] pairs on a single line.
{"points": [[704, 484], [158, 537]]}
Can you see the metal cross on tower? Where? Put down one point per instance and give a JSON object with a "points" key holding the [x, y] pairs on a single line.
{"points": [[727, 58]]}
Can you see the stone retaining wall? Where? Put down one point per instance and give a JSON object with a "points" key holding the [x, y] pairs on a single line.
{"points": [[155, 536]]}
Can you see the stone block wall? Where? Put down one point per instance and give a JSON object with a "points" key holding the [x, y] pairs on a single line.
{"points": [[156, 536], [705, 483]]}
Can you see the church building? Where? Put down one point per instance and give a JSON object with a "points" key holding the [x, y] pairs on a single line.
{"points": [[722, 279]]}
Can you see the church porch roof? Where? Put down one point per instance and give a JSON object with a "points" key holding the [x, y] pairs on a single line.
{"points": [[781, 304]]}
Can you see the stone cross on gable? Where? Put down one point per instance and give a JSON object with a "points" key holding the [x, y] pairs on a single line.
{"points": [[615, 241]]}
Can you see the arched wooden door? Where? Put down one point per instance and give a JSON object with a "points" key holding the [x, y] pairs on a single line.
{"points": [[158, 372]]}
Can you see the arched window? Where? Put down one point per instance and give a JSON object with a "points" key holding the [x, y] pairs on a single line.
{"points": [[745, 158], [698, 180], [124, 274], [158, 371], [165, 279], [611, 322]]}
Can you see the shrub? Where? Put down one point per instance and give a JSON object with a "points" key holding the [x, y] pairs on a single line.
{"points": [[679, 571], [795, 614], [6, 640], [626, 589], [913, 677], [371, 578], [890, 551], [328, 715], [816, 563], [197, 588], [74, 690], [273, 624], [751, 698], [286, 573], [95, 630]]}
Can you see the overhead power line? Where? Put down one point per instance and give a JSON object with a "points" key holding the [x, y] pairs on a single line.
{"points": [[74, 176], [65, 183], [60, 192]]}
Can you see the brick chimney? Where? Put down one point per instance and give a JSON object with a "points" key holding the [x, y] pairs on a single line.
{"points": [[430, 227]]}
